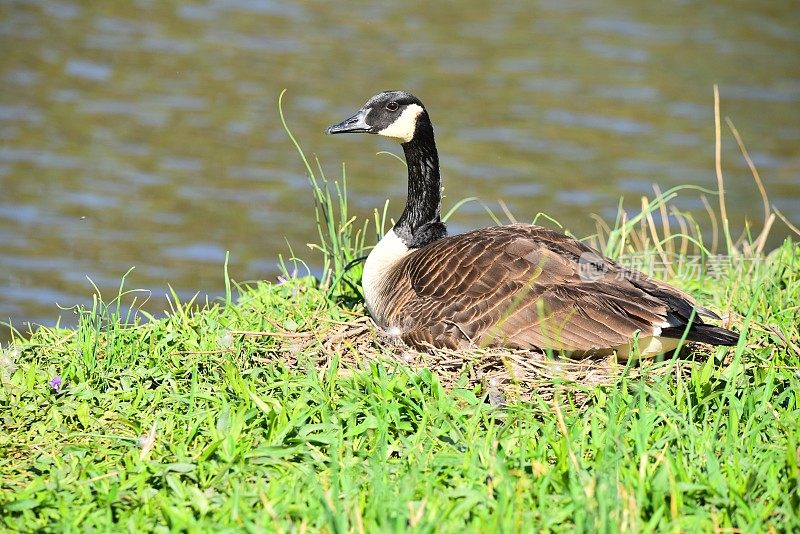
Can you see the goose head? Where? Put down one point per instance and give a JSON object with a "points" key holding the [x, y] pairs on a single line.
{"points": [[394, 114]]}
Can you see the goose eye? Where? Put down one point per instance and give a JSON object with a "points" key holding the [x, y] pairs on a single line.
{"points": [[392, 106]]}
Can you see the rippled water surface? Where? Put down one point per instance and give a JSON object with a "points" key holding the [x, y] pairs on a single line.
{"points": [[146, 133]]}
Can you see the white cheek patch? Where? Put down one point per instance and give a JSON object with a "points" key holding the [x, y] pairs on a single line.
{"points": [[404, 126]]}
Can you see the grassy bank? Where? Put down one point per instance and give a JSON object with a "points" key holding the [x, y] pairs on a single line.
{"points": [[201, 421], [279, 408]]}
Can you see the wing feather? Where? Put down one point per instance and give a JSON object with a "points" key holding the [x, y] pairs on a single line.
{"points": [[522, 286]]}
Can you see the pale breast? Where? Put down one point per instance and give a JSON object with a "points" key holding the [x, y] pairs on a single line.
{"points": [[386, 254]]}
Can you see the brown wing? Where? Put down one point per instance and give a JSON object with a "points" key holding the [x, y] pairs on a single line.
{"points": [[527, 287]]}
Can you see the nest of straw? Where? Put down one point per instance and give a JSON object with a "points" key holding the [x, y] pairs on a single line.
{"points": [[503, 375]]}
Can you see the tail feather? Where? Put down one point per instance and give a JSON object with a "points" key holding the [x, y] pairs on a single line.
{"points": [[705, 312], [704, 333]]}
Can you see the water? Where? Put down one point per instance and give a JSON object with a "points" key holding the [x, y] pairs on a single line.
{"points": [[146, 133]]}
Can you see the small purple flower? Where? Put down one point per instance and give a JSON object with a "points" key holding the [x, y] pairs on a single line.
{"points": [[55, 383], [284, 279]]}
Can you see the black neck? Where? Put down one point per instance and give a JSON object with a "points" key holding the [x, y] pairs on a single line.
{"points": [[420, 222]]}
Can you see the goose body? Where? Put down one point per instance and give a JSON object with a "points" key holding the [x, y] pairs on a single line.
{"points": [[518, 286]]}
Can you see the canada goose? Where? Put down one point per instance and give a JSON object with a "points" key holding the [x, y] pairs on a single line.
{"points": [[517, 286]]}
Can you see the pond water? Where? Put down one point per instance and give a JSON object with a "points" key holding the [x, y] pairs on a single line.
{"points": [[146, 133]]}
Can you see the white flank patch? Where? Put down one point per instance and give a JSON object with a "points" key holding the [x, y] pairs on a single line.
{"points": [[648, 346], [404, 126], [383, 257]]}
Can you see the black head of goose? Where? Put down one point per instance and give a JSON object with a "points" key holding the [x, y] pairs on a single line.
{"points": [[517, 286]]}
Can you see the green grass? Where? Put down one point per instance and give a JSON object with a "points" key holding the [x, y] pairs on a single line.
{"points": [[251, 433], [199, 422]]}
